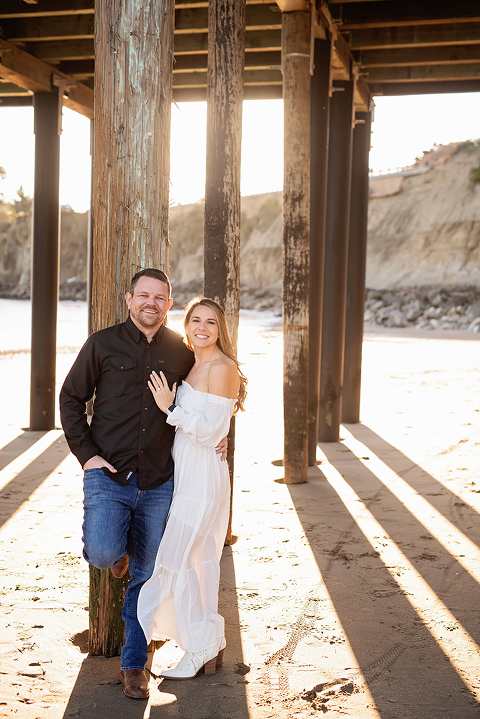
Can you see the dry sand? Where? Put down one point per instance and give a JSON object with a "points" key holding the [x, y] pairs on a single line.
{"points": [[356, 594]]}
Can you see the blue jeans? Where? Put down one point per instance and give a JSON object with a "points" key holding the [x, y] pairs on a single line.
{"points": [[121, 520]]}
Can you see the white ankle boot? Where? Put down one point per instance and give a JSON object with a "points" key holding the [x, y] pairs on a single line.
{"points": [[192, 663]]}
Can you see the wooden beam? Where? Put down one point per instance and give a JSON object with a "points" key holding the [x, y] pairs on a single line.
{"points": [[408, 12], [14, 9], [421, 36], [204, 3], [258, 17], [56, 50], [24, 70], [293, 5], [335, 275], [296, 241], [356, 265], [28, 72], [253, 61], [48, 28], [251, 77], [16, 101], [250, 92], [422, 73], [226, 52], [8, 89], [254, 40], [45, 259], [77, 68], [343, 63], [424, 88], [406, 57]]}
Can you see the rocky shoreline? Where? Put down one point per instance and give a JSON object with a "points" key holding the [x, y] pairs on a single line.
{"points": [[452, 307]]}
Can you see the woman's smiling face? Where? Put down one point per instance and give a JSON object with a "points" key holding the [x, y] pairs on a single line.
{"points": [[202, 328]]}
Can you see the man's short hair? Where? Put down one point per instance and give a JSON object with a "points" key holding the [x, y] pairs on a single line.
{"points": [[154, 274]]}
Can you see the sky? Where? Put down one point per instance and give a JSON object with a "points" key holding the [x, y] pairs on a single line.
{"points": [[403, 128]]}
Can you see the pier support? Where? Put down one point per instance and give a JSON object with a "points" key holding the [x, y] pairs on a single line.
{"points": [[336, 246], [45, 259], [226, 60], [357, 260], [131, 159], [320, 106], [296, 241]]}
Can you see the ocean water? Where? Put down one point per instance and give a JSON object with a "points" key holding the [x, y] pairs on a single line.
{"points": [[15, 342]]}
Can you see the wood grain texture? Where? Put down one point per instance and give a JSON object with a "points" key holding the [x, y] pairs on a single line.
{"points": [[131, 156], [225, 75], [296, 241], [224, 141]]}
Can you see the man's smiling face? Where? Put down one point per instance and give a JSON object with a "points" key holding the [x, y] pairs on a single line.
{"points": [[149, 303]]}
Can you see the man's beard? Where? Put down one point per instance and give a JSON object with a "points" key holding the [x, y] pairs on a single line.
{"points": [[147, 320]]}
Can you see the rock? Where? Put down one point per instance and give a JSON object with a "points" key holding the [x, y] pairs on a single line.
{"points": [[474, 310], [413, 311], [433, 313], [397, 319]]}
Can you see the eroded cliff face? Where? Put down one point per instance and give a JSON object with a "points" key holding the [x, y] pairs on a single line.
{"points": [[423, 229], [428, 232]]}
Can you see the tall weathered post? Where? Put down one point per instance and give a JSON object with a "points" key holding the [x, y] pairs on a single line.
{"points": [[131, 157], [357, 260], [320, 107], [45, 258], [335, 275], [226, 59], [296, 33]]}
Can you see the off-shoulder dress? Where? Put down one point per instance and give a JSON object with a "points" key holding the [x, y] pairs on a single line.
{"points": [[180, 600]]}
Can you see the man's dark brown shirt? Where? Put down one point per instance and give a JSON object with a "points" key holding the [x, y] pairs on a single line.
{"points": [[127, 429]]}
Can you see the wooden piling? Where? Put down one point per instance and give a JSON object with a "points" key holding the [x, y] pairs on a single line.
{"points": [[226, 59], [336, 247], [45, 259], [320, 104], [296, 241], [131, 158], [357, 260]]}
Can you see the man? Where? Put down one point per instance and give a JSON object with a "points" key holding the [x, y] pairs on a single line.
{"points": [[125, 452]]}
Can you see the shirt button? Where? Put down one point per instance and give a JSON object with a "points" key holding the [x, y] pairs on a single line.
{"points": [[143, 430], [148, 366], [146, 409]]}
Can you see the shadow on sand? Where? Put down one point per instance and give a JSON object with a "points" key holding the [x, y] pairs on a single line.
{"points": [[404, 668], [97, 693], [23, 485]]}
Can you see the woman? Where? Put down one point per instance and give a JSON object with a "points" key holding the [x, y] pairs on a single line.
{"points": [[180, 600]]}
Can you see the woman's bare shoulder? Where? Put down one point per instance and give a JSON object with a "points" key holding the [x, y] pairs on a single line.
{"points": [[223, 378]]}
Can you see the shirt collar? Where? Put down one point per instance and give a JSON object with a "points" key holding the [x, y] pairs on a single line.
{"points": [[137, 335]]}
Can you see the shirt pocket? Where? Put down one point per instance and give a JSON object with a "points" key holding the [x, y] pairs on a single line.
{"points": [[171, 375], [122, 375]]}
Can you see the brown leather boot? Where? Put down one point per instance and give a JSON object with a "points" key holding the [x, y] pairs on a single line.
{"points": [[135, 683], [120, 568]]}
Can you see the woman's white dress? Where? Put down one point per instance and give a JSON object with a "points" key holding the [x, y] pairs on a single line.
{"points": [[180, 600]]}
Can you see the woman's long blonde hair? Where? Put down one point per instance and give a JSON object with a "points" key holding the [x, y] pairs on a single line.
{"points": [[224, 343]]}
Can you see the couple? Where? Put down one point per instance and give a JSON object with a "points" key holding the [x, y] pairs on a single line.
{"points": [[133, 369]]}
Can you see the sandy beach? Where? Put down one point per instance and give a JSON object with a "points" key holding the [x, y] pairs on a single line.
{"points": [[355, 594]]}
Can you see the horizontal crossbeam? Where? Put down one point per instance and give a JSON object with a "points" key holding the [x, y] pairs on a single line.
{"points": [[404, 57], [424, 88], [418, 36], [408, 12], [30, 73], [423, 73]]}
